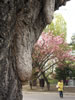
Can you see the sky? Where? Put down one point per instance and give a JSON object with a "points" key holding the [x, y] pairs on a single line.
{"points": [[68, 12]]}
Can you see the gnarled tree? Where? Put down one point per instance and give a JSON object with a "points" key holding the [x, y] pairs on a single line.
{"points": [[21, 22]]}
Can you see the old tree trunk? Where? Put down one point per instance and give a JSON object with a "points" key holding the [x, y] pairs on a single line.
{"points": [[21, 22]]}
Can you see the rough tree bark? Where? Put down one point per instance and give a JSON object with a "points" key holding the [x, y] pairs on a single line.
{"points": [[21, 22]]}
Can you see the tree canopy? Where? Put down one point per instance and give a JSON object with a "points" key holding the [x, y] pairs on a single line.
{"points": [[57, 26], [73, 42], [52, 49]]}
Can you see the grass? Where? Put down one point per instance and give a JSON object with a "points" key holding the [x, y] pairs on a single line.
{"points": [[53, 81]]}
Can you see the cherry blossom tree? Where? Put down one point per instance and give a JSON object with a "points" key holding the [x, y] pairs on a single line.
{"points": [[50, 48]]}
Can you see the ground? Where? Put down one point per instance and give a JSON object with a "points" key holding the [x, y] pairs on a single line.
{"points": [[46, 96], [38, 93], [53, 88]]}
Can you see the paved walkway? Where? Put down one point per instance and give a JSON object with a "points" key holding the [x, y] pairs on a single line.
{"points": [[42, 94], [46, 96]]}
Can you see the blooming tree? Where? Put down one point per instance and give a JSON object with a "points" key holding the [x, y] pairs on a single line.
{"points": [[50, 48]]}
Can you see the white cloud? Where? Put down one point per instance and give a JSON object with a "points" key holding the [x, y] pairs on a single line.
{"points": [[68, 13]]}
